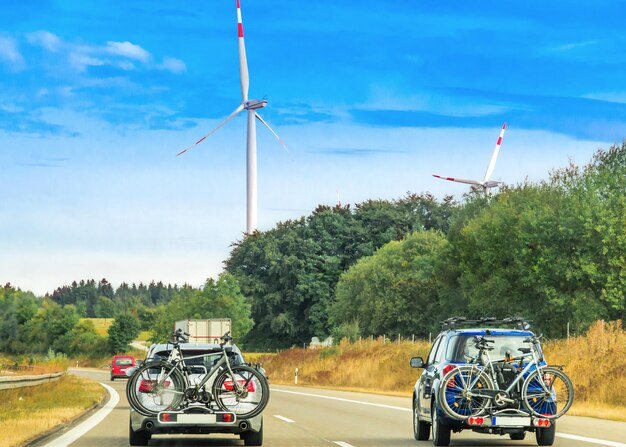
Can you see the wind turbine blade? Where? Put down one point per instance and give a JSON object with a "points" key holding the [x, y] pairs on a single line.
{"points": [[494, 156], [232, 115], [459, 180], [243, 63], [270, 129]]}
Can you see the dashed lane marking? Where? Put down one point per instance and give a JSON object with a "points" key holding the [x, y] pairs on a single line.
{"points": [[283, 418]]}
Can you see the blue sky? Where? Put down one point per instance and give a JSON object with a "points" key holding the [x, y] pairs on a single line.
{"points": [[371, 98]]}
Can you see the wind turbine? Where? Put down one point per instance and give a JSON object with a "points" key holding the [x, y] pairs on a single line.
{"points": [[251, 105], [485, 184]]}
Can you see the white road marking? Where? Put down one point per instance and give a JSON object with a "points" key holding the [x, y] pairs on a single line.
{"points": [[590, 440], [391, 407], [90, 423], [283, 418], [343, 444]]}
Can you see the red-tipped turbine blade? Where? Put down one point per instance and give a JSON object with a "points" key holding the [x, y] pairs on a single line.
{"points": [[243, 63], [460, 180], [494, 156], [232, 115]]}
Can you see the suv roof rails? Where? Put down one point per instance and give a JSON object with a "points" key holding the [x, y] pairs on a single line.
{"points": [[516, 322]]}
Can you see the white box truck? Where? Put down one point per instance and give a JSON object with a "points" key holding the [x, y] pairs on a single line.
{"points": [[204, 331]]}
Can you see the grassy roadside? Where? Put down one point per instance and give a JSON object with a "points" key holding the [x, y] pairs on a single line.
{"points": [[29, 412], [595, 362]]}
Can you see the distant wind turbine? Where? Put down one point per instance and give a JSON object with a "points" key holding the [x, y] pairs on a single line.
{"points": [[485, 184], [251, 105]]}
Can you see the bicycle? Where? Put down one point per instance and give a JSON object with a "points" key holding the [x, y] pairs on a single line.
{"points": [[165, 385], [474, 389]]}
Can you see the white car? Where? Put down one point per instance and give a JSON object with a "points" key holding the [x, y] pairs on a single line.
{"points": [[197, 418]]}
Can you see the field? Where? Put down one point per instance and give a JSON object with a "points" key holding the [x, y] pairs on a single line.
{"points": [[101, 324], [29, 412], [595, 362]]}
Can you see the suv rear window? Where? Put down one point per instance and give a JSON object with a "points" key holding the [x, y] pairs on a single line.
{"points": [[461, 347]]}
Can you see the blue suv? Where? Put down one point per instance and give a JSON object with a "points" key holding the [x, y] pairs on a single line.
{"points": [[456, 345]]}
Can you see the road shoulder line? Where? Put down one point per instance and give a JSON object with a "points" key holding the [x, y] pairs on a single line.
{"points": [[90, 423]]}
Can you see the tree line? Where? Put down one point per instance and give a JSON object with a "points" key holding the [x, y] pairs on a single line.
{"points": [[58, 322], [552, 251]]}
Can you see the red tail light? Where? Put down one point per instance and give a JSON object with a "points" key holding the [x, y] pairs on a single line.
{"points": [[543, 422], [476, 421], [146, 386], [448, 368], [227, 417], [228, 384]]}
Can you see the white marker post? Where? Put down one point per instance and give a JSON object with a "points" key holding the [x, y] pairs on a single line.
{"points": [[296, 376]]}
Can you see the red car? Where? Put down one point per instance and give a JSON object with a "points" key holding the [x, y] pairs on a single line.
{"points": [[120, 364]]}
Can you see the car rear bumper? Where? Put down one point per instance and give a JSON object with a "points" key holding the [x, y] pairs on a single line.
{"points": [[153, 426]]}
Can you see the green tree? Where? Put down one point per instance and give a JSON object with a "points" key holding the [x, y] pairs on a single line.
{"points": [[394, 291], [124, 329], [217, 299]]}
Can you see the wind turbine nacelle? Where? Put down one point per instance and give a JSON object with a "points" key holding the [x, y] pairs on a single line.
{"points": [[254, 104], [491, 184]]}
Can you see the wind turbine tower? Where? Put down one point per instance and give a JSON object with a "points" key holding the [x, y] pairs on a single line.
{"points": [[251, 105]]}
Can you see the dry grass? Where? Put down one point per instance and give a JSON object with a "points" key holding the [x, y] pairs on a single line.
{"points": [[26, 413], [369, 365], [595, 362], [24, 366], [253, 357]]}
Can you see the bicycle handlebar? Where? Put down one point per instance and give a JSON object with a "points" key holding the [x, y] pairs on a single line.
{"points": [[179, 335]]}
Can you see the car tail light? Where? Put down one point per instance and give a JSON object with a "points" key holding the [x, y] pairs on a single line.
{"points": [[227, 417], [543, 422], [476, 421], [448, 368], [228, 384], [146, 386]]}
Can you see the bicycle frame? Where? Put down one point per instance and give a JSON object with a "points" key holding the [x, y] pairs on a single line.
{"points": [[520, 375], [178, 361]]}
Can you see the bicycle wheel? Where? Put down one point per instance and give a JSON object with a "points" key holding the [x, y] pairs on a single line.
{"points": [[457, 392], [548, 393], [155, 387], [246, 400]]}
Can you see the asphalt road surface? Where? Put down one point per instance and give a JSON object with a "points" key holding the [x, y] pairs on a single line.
{"points": [[297, 416]]}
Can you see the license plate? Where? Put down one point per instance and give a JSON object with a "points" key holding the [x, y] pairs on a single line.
{"points": [[196, 419], [511, 421], [187, 418]]}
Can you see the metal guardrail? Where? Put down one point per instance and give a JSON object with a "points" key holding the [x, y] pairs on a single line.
{"points": [[11, 382]]}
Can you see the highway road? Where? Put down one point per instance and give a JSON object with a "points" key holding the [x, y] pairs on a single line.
{"points": [[298, 416]]}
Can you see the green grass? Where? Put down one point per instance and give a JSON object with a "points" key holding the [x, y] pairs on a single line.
{"points": [[101, 324]]}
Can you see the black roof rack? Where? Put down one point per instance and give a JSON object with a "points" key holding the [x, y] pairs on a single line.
{"points": [[516, 322]]}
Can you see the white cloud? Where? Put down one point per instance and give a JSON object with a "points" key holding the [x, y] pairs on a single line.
{"points": [[172, 64], [80, 60], [127, 49], [9, 53], [572, 46], [45, 39]]}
